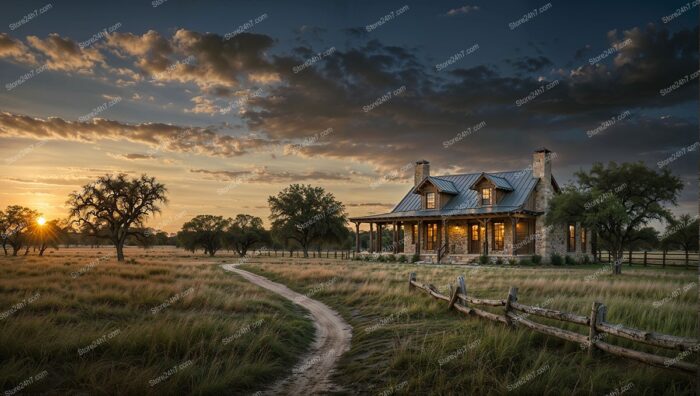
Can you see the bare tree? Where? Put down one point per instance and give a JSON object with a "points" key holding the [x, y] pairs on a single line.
{"points": [[114, 207]]}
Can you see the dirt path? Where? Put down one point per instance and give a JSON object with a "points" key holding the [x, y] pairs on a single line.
{"points": [[312, 375]]}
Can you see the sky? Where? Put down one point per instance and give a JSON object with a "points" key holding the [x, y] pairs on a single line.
{"points": [[228, 102]]}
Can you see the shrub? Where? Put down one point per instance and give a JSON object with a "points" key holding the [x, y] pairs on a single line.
{"points": [[512, 261], [484, 259], [390, 258], [569, 260], [499, 261], [525, 261], [367, 257], [381, 258], [402, 258], [585, 259], [536, 259], [415, 258], [555, 259]]}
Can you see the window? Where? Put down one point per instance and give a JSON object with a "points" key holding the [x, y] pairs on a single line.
{"points": [[475, 232], [431, 241], [430, 200], [571, 244], [486, 196], [583, 240], [414, 233], [499, 233]]}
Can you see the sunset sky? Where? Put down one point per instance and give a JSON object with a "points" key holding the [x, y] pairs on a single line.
{"points": [[216, 101]]}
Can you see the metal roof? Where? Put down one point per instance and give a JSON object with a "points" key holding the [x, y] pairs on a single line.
{"points": [[444, 186], [498, 181], [466, 201]]}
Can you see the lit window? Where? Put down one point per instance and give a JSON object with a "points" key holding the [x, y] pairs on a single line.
{"points": [[583, 240], [414, 233], [499, 233], [486, 196], [430, 200], [571, 245], [475, 232]]}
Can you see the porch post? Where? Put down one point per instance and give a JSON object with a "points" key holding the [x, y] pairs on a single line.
{"points": [[486, 237], [514, 234], [371, 238], [447, 234], [380, 226], [420, 237], [357, 237], [396, 239]]}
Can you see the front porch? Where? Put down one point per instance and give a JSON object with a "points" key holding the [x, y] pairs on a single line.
{"points": [[454, 239]]}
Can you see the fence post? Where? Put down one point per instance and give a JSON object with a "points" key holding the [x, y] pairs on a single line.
{"points": [[609, 258], [512, 297], [630, 257], [455, 293], [411, 277], [663, 260], [598, 311], [645, 258]]}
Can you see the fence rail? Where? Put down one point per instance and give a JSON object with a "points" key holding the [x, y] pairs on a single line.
{"points": [[459, 300], [650, 258], [339, 254]]}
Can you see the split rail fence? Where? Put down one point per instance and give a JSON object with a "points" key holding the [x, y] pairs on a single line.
{"points": [[460, 301]]}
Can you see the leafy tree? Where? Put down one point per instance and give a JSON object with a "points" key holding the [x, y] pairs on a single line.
{"points": [[204, 231], [114, 207], [683, 232], [307, 215], [246, 232], [43, 236], [646, 238], [17, 224], [616, 201]]}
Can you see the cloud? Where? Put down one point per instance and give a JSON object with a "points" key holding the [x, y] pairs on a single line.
{"points": [[15, 49], [64, 54], [132, 156], [462, 10], [268, 176], [158, 136], [530, 64]]}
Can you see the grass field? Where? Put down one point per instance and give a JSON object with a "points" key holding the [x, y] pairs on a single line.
{"points": [[173, 323], [168, 323], [409, 342]]}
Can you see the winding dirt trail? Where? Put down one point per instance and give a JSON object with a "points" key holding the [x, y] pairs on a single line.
{"points": [[312, 375]]}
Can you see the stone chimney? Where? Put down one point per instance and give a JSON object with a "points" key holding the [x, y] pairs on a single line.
{"points": [[542, 169], [542, 164], [422, 171]]}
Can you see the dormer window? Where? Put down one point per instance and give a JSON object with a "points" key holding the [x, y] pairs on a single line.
{"points": [[485, 196], [430, 200]]}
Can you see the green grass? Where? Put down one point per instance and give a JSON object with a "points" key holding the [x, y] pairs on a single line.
{"points": [[208, 306], [400, 337]]}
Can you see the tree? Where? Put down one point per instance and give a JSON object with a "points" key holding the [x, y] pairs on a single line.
{"points": [[246, 232], [307, 215], [683, 232], [46, 235], [114, 207], [205, 231], [17, 223], [616, 201]]}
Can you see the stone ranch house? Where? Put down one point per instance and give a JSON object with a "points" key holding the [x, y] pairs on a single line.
{"points": [[457, 218]]}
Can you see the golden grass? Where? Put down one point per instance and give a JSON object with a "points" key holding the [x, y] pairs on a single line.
{"points": [[404, 350]]}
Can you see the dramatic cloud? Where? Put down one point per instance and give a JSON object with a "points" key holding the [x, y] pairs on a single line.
{"points": [[65, 54], [133, 156], [15, 49], [266, 175], [156, 135]]}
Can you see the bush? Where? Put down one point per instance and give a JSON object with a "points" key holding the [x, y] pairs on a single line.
{"points": [[415, 258], [484, 259], [525, 261], [357, 257], [390, 258], [555, 259], [512, 261], [585, 259], [536, 259], [569, 260], [367, 257], [381, 258], [499, 261], [402, 258]]}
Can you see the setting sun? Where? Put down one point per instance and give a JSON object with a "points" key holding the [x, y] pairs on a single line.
{"points": [[41, 220]]}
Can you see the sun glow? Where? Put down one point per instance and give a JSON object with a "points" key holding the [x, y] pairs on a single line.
{"points": [[41, 221]]}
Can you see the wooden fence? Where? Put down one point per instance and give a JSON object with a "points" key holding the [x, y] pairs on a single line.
{"points": [[460, 301], [663, 259], [338, 254]]}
